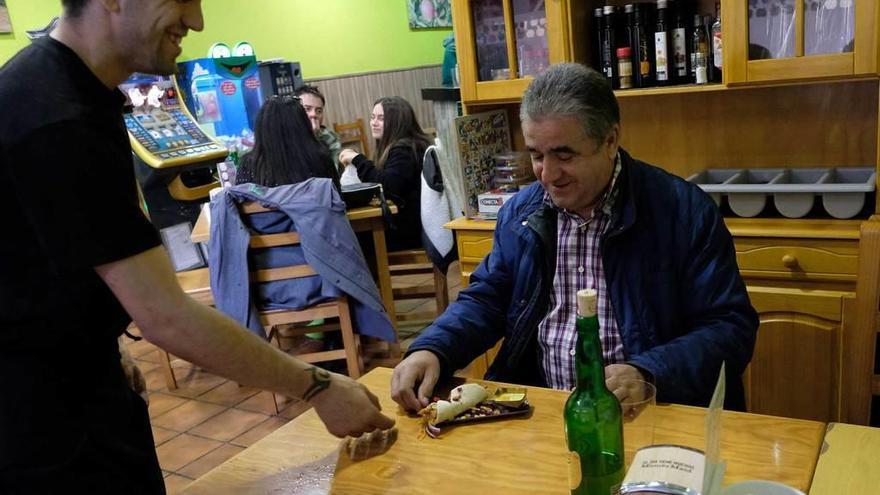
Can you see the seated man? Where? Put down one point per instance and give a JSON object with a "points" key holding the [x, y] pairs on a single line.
{"points": [[313, 103], [672, 306]]}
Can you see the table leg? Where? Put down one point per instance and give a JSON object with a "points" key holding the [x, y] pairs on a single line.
{"points": [[384, 273]]}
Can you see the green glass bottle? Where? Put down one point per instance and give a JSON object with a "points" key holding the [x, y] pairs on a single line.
{"points": [[593, 419]]}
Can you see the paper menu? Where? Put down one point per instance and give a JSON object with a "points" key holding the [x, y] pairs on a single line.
{"points": [[680, 470]]}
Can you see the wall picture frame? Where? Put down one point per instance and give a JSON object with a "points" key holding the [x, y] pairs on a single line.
{"points": [[426, 14], [5, 22]]}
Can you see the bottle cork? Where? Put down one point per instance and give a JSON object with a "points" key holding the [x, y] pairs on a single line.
{"points": [[586, 301]]}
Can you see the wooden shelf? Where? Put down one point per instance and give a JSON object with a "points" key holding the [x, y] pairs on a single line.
{"points": [[670, 90]]}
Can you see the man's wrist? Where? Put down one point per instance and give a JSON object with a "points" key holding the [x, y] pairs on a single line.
{"points": [[317, 382]]}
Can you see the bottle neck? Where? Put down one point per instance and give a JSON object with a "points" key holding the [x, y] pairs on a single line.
{"points": [[589, 364]]}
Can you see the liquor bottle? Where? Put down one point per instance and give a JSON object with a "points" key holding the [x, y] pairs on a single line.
{"points": [[679, 49], [593, 418], [599, 29], [661, 44], [629, 11], [716, 43], [609, 45], [642, 48], [699, 52]]}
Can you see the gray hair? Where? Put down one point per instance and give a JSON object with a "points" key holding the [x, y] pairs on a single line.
{"points": [[572, 90]]}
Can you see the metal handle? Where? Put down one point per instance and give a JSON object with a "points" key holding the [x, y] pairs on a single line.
{"points": [[789, 261]]}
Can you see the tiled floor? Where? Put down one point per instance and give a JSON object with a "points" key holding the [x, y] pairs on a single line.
{"points": [[209, 419]]}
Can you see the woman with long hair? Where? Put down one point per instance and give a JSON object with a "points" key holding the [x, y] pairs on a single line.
{"points": [[400, 146], [286, 150]]}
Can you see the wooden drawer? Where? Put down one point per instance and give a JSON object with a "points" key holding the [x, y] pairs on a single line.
{"points": [[474, 245], [797, 259]]}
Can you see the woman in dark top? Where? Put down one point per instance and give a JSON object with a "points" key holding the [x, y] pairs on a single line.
{"points": [[286, 150], [397, 165]]}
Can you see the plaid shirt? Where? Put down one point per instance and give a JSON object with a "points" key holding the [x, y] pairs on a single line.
{"points": [[578, 266]]}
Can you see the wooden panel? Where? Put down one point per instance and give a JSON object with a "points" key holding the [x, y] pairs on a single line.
{"points": [[509, 36], [351, 97], [558, 34], [474, 246], [465, 46], [788, 228], [798, 259], [271, 240], [814, 66], [735, 22], [288, 272], [791, 126], [818, 304], [867, 51], [860, 338], [501, 91], [848, 461], [793, 371]]}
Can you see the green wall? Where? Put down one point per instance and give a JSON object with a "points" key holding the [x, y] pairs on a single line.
{"points": [[329, 37]]}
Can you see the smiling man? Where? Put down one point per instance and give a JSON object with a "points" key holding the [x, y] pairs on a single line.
{"points": [[82, 261], [672, 306]]}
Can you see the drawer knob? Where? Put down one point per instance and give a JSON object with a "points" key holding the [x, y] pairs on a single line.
{"points": [[789, 261]]}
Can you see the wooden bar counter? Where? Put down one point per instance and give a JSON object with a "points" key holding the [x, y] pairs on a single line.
{"points": [[526, 455]]}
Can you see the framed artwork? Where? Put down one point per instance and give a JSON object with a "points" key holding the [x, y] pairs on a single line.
{"points": [[5, 23], [429, 13]]}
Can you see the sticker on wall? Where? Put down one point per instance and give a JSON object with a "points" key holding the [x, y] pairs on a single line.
{"points": [[5, 23], [429, 13]]}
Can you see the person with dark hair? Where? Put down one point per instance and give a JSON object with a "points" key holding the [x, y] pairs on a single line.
{"points": [[313, 102], [672, 306], [84, 262], [399, 149], [286, 150]]}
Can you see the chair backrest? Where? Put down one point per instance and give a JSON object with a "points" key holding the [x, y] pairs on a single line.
{"points": [[352, 134], [259, 241]]}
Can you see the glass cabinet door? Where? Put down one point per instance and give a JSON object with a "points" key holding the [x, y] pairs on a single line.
{"points": [[829, 26], [799, 40], [532, 54], [490, 35], [772, 29]]}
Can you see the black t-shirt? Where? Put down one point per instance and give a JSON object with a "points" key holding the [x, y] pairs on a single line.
{"points": [[70, 204], [71, 201]]}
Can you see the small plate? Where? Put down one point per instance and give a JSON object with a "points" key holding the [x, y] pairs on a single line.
{"points": [[485, 411]]}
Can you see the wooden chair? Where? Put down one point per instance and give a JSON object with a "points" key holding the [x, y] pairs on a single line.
{"points": [[860, 380], [416, 262], [196, 285], [352, 134]]}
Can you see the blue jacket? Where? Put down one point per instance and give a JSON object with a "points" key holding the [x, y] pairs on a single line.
{"points": [[315, 210], [670, 266]]}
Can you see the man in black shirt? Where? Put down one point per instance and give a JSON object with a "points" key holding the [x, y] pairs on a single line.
{"points": [[79, 261]]}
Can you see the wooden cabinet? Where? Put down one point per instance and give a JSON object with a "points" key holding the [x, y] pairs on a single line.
{"points": [[800, 40], [502, 43]]}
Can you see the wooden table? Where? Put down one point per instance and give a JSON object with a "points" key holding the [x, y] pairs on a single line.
{"points": [[368, 218], [516, 456], [848, 462]]}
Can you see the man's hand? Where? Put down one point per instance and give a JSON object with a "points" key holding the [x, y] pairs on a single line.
{"points": [[347, 155], [625, 382], [422, 367], [133, 374], [346, 407]]}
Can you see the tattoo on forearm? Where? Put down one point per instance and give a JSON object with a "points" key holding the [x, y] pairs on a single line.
{"points": [[320, 382]]}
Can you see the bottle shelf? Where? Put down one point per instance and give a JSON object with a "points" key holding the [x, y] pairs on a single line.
{"points": [[669, 90]]}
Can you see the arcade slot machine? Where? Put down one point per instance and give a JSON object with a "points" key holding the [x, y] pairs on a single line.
{"points": [[174, 161]]}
